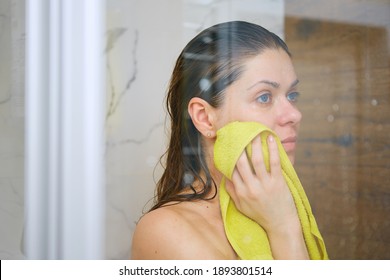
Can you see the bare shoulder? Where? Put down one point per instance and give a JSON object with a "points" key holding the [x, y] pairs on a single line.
{"points": [[171, 232]]}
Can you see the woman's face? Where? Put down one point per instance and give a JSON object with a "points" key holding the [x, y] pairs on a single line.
{"points": [[266, 93]]}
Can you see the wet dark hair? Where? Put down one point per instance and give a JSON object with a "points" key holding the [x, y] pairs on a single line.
{"points": [[209, 63]]}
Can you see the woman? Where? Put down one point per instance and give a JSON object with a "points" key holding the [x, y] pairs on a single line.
{"points": [[234, 71]]}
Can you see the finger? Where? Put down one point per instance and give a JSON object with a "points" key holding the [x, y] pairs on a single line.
{"points": [[236, 177], [258, 158], [244, 168], [274, 159], [237, 183]]}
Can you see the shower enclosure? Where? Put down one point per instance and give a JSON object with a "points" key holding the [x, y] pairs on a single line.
{"points": [[83, 124]]}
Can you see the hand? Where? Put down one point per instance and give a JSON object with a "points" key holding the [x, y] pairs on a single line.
{"points": [[261, 195]]}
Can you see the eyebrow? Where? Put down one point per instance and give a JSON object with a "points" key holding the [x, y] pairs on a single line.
{"points": [[273, 84]]}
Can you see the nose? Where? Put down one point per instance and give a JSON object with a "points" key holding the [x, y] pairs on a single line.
{"points": [[288, 113]]}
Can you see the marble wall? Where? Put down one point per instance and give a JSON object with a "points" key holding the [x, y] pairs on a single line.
{"points": [[142, 44]]}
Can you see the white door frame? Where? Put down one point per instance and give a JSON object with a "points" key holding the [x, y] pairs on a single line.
{"points": [[65, 105]]}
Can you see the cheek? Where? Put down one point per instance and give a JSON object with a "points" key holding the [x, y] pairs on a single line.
{"points": [[245, 111], [268, 121], [265, 117], [246, 114], [230, 113]]}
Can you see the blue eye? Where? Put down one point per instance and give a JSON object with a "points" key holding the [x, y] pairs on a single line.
{"points": [[293, 96], [264, 98]]}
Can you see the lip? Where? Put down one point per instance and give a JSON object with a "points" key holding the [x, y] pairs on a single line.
{"points": [[289, 143]]}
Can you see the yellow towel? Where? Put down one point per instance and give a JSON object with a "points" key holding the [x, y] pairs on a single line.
{"points": [[248, 238]]}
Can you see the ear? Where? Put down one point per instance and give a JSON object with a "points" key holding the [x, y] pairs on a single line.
{"points": [[202, 115]]}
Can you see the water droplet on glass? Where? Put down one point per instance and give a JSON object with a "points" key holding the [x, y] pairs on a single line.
{"points": [[335, 107], [330, 118], [207, 39], [204, 84], [188, 178], [317, 101], [374, 102]]}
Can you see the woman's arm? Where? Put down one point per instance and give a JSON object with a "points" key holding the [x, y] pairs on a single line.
{"points": [[265, 197], [288, 243]]}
